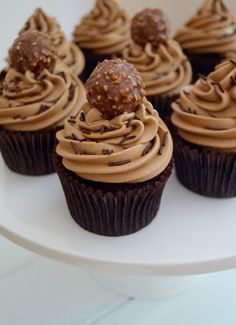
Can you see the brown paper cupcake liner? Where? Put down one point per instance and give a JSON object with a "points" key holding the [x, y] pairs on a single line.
{"points": [[111, 209], [206, 172], [29, 153], [203, 64], [91, 59], [163, 105]]}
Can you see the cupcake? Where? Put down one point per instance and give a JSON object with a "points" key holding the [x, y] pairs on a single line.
{"points": [[208, 36], [115, 158], [36, 95], [158, 58], [103, 33], [68, 53], [205, 140]]}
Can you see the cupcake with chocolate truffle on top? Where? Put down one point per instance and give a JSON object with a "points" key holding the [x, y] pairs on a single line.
{"points": [[68, 53], [36, 96], [205, 142], [114, 161], [103, 33], [159, 59], [208, 37]]}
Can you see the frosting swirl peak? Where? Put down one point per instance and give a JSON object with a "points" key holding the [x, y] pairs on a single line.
{"points": [[205, 113], [164, 70], [211, 30], [30, 103], [105, 30]]}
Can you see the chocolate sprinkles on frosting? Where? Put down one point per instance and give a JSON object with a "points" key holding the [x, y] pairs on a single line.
{"points": [[147, 149], [233, 80], [119, 163], [233, 62], [107, 151], [21, 117], [130, 120], [71, 92], [216, 83], [42, 109], [163, 143], [74, 147], [82, 116], [126, 138]]}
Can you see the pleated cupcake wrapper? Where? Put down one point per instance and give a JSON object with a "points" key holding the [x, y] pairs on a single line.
{"points": [[203, 64], [92, 59], [206, 172], [111, 209], [163, 105], [29, 153]]}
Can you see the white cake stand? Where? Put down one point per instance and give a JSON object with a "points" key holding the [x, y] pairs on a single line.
{"points": [[191, 235]]}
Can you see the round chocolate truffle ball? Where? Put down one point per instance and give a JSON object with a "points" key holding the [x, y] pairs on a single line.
{"points": [[115, 87], [150, 26], [32, 51]]}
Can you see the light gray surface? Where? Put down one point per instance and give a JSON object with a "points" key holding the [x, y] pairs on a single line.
{"points": [[36, 291]]}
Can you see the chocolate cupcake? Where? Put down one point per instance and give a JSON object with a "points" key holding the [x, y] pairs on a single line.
{"points": [[160, 61], [36, 96], [205, 140], [115, 158], [103, 33], [68, 53], [208, 36]]}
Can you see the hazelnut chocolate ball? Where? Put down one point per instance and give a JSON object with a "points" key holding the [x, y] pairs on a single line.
{"points": [[149, 26], [115, 87], [32, 51]]}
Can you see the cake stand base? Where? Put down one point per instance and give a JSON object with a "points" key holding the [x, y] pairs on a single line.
{"points": [[147, 288]]}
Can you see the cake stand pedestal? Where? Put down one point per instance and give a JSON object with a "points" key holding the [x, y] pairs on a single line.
{"points": [[191, 235]]}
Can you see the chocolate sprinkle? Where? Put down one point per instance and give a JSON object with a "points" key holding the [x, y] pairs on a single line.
{"points": [[216, 83], [163, 144], [130, 120], [71, 92], [233, 62], [63, 75], [71, 121], [42, 109], [74, 147], [82, 116], [119, 163], [147, 149], [233, 80], [127, 137], [107, 151], [22, 117]]}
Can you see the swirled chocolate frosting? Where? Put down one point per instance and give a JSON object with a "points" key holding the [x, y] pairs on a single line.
{"points": [[205, 113], [68, 53], [211, 30], [30, 103], [164, 70], [130, 148], [105, 30]]}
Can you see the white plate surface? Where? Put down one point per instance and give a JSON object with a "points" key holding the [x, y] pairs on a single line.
{"points": [[190, 235]]}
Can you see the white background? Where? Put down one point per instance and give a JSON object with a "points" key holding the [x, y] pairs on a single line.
{"points": [[34, 290]]}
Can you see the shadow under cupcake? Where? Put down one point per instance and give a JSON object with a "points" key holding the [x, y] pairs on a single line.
{"points": [[115, 157]]}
